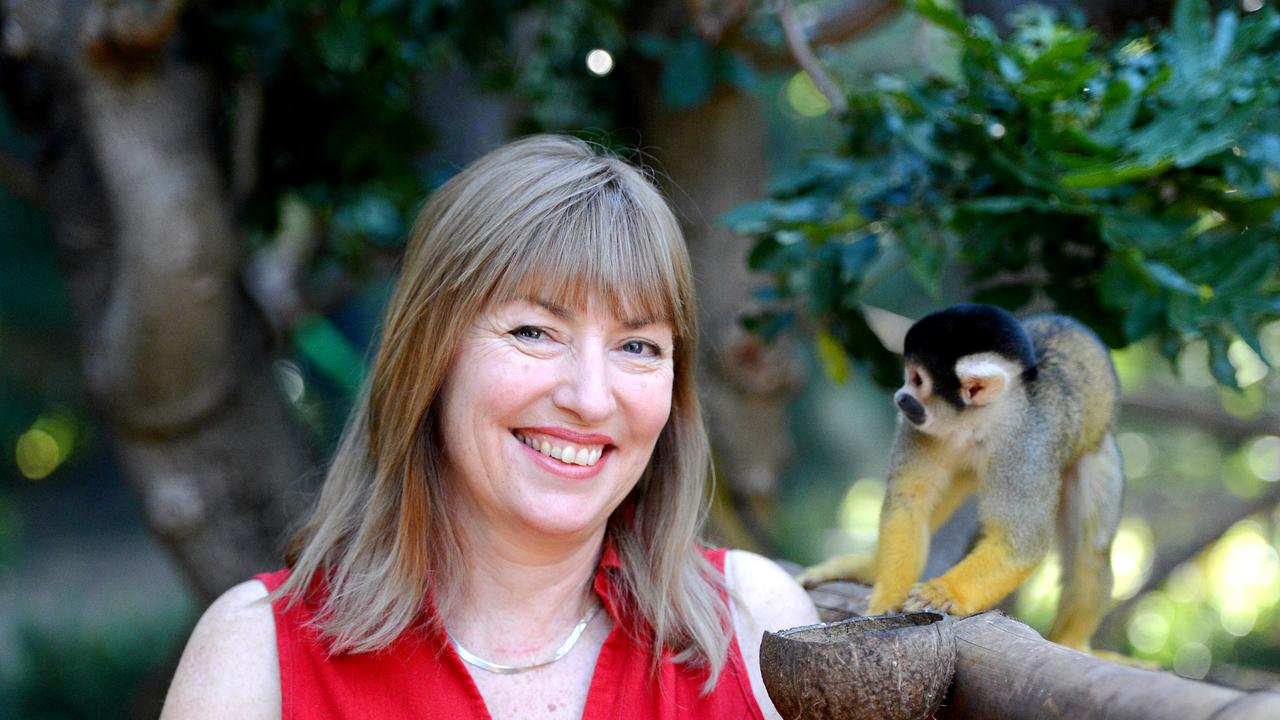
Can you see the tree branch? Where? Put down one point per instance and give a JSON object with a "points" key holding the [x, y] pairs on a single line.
{"points": [[849, 19], [1194, 411], [713, 26], [1210, 529], [1004, 670], [804, 55]]}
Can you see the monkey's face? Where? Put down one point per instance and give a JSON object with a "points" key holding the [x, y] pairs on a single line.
{"points": [[941, 401], [918, 399]]}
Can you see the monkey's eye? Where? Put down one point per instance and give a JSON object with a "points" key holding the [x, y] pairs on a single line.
{"points": [[916, 379]]}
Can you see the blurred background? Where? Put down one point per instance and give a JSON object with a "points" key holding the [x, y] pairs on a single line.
{"points": [[202, 206]]}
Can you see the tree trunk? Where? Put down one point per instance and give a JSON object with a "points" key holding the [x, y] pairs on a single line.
{"points": [[176, 360], [713, 159]]}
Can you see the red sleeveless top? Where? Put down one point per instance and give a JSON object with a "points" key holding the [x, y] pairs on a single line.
{"points": [[421, 676]]}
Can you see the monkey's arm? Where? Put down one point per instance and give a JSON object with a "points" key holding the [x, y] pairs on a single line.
{"points": [[919, 486], [1018, 503]]}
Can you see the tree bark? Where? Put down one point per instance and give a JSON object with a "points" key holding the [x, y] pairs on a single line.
{"points": [[1006, 671], [177, 361], [713, 159]]}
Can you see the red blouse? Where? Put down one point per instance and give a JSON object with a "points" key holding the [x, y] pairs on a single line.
{"points": [[421, 676]]}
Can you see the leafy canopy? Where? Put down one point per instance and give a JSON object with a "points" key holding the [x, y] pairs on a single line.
{"points": [[1132, 185]]}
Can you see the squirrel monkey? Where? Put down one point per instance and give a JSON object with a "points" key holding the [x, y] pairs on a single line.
{"points": [[1022, 414]]}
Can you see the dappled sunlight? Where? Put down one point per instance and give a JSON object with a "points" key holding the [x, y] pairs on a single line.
{"points": [[859, 513], [1131, 556]]}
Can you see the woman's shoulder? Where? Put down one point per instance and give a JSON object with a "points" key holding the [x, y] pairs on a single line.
{"points": [[229, 667], [765, 597], [767, 591]]}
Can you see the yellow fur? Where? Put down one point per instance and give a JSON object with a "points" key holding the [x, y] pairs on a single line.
{"points": [[1033, 453]]}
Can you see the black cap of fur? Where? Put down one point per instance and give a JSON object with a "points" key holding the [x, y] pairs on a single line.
{"points": [[939, 340]]}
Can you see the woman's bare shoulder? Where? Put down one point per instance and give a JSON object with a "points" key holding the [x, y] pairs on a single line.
{"points": [[768, 592], [230, 667], [767, 598]]}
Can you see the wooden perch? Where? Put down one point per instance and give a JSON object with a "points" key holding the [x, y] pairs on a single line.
{"points": [[1006, 671]]}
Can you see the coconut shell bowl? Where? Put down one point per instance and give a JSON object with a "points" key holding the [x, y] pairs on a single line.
{"points": [[891, 667]]}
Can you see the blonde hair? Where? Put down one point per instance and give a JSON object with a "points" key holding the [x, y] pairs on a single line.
{"points": [[547, 217]]}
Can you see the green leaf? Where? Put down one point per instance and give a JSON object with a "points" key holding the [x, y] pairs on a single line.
{"points": [[834, 362], [944, 16], [1249, 272], [1170, 279], [926, 255], [1240, 323], [1219, 361], [1190, 18], [1110, 174], [1011, 297], [768, 325], [857, 256], [1123, 229], [1143, 316], [749, 218]]}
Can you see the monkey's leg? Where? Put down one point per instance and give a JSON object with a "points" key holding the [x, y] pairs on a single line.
{"points": [[914, 494], [1088, 516]]}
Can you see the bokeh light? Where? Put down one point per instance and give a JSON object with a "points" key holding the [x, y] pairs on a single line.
{"points": [[1131, 555], [45, 445], [1249, 367], [1192, 661], [1148, 631], [37, 454], [289, 378], [804, 97], [600, 62], [1136, 450], [859, 513], [1193, 365], [1263, 457]]}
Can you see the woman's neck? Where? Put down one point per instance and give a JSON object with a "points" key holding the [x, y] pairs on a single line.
{"points": [[519, 598]]}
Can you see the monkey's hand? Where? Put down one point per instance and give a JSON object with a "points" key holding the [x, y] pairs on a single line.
{"points": [[859, 568], [933, 595]]}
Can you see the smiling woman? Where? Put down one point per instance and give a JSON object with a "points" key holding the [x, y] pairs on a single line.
{"points": [[528, 452]]}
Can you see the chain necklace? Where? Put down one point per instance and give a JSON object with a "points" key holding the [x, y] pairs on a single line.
{"points": [[499, 668]]}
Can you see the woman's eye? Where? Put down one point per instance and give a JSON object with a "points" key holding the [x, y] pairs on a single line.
{"points": [[529, 332], [640, 347]]}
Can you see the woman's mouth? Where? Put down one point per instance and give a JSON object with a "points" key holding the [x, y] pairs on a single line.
{"points": [[565, 452]]}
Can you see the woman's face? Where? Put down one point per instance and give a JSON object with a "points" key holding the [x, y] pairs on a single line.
{"points": [[550, 413]]}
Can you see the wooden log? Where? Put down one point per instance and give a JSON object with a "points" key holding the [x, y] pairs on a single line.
{"points": [[1006, 671]]}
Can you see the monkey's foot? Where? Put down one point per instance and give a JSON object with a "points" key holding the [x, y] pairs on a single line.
{"points": [[858, 568], [932, 596]]}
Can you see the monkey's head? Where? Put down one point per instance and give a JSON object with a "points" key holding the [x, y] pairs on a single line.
{"points": [[959, 360]]}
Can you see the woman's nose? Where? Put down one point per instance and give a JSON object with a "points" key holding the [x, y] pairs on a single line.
{"points": [[586, 389]]}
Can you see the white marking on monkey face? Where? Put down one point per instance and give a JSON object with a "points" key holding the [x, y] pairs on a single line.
{"points": [[984, 377], [912, 398]]}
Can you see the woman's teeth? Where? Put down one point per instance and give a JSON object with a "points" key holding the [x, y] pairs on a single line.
{"points": [[587, 455]]}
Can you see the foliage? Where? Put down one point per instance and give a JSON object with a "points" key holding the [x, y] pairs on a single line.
{"points": [[1133, 185], [91, 670], [359, 69]]}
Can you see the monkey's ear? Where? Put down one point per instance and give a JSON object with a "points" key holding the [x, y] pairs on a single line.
{"points": [[982, 379]]}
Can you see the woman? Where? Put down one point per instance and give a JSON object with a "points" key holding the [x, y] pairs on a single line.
{"points": [[509, 525]]}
